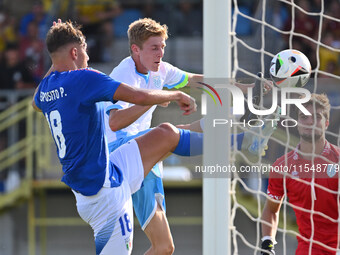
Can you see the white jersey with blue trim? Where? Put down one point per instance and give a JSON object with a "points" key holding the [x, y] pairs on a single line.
{"points": [[168, 76]]}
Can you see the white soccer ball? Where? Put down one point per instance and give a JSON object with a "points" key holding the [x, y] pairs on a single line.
{"points": [[290, 68]]}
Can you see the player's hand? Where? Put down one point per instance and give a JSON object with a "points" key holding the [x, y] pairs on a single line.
{"points": [[187, 104], [267, 86], [267, 245], [58, 22]]}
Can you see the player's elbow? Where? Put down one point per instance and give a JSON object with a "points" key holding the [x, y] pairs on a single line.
{"points": [[114, 125], [115, 120], [115, 128]]}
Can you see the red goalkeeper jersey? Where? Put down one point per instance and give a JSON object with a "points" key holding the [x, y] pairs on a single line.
{"points": [[311, 187]]}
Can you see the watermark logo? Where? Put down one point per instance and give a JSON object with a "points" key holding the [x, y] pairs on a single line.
{"points": [[239, 98], [209, 93]]}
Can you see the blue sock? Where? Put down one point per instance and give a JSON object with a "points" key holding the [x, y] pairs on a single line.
{"points": [[189, 144]]}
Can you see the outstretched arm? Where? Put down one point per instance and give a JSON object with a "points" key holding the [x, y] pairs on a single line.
{"points": [[194, 126], [194, 78], [151, 97], [121, 118]]}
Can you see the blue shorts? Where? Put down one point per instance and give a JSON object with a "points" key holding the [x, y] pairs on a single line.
{"points": [[151, 193], [145, 200], [122, 140]]}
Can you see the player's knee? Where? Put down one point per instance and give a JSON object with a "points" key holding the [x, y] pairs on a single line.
{"points": [[168, 127], [169, 131], [166, 248], [169, 249]]}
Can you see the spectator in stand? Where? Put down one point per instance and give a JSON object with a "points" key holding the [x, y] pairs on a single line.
{"points": [[303, 24], [60, 9], [329, 59], [160, 12], [97, 19], [316, 6], [332, 26], [189, 19], [7, 30], [13, 73], [38, 15], [32, 51], [278, 15]]}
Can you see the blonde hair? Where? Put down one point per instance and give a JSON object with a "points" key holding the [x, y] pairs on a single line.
{"points": [[320, 101], [141, 30]]}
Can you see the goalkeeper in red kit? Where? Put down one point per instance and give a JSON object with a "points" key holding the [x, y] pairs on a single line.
{"points": [[311, 186]]}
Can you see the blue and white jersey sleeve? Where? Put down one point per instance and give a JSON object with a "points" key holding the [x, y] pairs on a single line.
{"points": [[122, 73], [118, 105], [175, 77], [110, 135]]}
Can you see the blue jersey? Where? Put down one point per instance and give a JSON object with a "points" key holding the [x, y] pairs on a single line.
{"points": [[68, 101]]}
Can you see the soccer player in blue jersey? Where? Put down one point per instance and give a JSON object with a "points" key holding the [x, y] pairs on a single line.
{"points": [[101, 183], [125, 121]]}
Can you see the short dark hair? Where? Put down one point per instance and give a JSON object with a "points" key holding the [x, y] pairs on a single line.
{"points": [[62, 34]]}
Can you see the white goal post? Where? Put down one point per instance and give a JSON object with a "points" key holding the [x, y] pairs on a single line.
{"points": [[227, 54], [216, 64]]}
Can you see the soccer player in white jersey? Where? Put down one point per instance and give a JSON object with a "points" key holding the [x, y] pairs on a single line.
{"points": [[145, 69], [68, 97]]}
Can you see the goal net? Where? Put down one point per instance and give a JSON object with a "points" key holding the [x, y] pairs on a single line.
{"points": [[260, 29]]}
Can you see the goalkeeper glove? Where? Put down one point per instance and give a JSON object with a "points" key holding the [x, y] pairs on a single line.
{"points": [[267, 245]]}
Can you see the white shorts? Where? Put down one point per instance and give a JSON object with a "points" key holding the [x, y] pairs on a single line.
{"points": [[109, 212]]}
